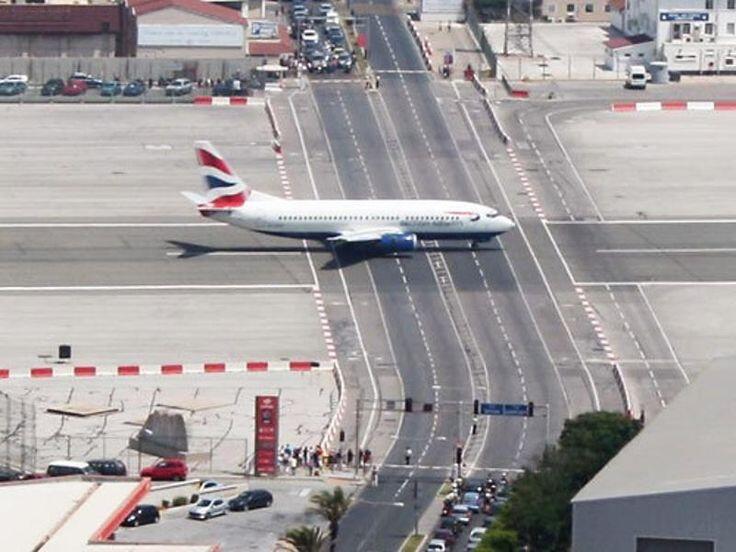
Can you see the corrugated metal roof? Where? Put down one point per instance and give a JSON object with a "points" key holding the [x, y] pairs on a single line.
{"points": [[688, 446]]}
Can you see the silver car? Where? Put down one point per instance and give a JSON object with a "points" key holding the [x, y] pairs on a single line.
{"points": [[179, 87], [208, 507]]}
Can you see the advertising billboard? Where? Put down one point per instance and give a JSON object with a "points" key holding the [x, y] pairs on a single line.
{"points": [[267, 434], [191, 35]]}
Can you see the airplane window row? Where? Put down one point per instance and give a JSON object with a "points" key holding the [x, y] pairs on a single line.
{"points": [[360, 217]]}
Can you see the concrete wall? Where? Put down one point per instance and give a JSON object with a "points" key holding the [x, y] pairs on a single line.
{"points": [[613, 525], [46, 45], [41, 69], [557, 10]]}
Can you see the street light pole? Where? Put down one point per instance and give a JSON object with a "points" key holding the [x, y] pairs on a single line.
{"points": [[358, 455]]}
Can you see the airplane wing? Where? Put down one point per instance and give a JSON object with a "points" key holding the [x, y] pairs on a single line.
{"points": [[362, 236]]}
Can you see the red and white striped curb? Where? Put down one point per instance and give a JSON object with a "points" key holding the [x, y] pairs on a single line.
{"points": [[597, 328], [674, 106], [167, 369], [219, 100], [536, 205]]}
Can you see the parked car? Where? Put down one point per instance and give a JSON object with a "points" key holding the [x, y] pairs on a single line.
{"points": [[135, 88], [209, 484], [179, 87], [461, 513], [111, 466], [436, 545], [111, 88], [143, 514], [249, 500], [74, 87], [207, 508], [230, 87], [68, 467], [89, 80], [476, 535], [15, 78], [9, 474], [12, 88], [167, 469], [52, 87]]}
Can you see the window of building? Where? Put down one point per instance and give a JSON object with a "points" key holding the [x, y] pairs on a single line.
{"points": [[588, 8], [571, 8], [608, 8], [731, 4], [729, 61], [709, 28], [708, 4], [730, 28], [551, 8]]}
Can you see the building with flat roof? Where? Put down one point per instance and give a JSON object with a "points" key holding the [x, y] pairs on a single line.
{"points": [[571, 11], [673, 487], [79, 514]]}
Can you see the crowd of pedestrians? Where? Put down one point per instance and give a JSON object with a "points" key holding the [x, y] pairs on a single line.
{"points": [[314, 460]]}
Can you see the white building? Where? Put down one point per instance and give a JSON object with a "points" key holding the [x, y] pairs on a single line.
{"points": [[691, 35]]}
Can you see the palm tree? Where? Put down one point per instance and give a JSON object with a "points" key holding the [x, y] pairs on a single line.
{"points": [[331, 506], [306, 539]]}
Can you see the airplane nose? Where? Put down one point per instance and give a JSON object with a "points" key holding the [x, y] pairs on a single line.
{"points": [[506, 223]]}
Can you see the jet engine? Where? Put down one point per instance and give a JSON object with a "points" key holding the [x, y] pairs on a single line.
{"points": [[398, 242]]}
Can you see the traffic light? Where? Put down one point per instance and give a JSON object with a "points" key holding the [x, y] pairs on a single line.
{"points": [[530, 409], [458, 454], [342, 435], [408, 404], [476, 407], [428, 407]]}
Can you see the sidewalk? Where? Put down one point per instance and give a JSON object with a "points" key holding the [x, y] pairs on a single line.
{"points": [[456, 41]]}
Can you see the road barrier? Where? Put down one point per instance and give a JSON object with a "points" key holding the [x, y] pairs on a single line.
{"points": [[622, 388], [166, 369], [272, 120], [421, 44], [676, 105], [483, 91], [218, 100]]}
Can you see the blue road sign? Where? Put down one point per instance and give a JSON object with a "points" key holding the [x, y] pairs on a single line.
{"points": [[683, 16], [491, 409], [498, 409]]}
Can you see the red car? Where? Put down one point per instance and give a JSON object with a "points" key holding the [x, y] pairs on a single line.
{"points": [[167, 469], [74, 87]]}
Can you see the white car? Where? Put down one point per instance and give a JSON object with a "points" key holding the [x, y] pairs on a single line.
{"points": [[209, 484], [436, 545], [476, 535], [15, 78], [324, 8], [179, 87], [332, 17], [207, 508], [310, 35]]}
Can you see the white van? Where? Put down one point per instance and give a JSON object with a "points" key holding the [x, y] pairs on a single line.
{"points": [[636, 77], [69, 467]]}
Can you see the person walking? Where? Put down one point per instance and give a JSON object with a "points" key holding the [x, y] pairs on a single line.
{"points": [[350, 457], [407, 455], [374, 476]]}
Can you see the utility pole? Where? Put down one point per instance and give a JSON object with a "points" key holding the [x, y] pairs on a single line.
{"points": [[416, 511], [506, 28], [531, 19]]}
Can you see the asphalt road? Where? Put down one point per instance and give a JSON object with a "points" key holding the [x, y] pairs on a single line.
{"points": [[460, 325]]}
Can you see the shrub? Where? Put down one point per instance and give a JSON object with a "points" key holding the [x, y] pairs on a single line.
{"points": [[179, 501]]}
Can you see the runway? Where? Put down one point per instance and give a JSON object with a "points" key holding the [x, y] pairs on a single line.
{"points": [[629, 253]]}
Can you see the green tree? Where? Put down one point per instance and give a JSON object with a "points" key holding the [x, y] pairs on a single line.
{"points": [[306, 539], [539, 509], [331, 505], [499, 539]]}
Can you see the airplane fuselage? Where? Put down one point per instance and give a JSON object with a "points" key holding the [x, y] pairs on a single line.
{"points": [[323, 219]]}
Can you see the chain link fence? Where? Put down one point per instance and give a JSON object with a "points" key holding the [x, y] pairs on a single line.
{"points": [[18, 433]]}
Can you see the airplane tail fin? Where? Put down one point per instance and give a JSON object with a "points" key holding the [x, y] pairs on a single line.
{"points": [[224, 188]]}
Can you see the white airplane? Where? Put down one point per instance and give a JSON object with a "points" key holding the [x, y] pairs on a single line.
{"points": [[392, 225]]}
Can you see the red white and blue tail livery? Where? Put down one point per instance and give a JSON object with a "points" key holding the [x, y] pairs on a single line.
{"points": [[392, 225]]}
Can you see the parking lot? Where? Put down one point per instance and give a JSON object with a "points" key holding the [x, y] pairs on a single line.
{"points": [[236, 531]]}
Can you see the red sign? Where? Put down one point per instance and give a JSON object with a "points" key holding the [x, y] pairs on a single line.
{"points": [[267, 434], [362, 40]]}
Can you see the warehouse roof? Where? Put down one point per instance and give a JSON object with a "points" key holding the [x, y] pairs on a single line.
{"points": [[74, 513], [688, 446]]}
